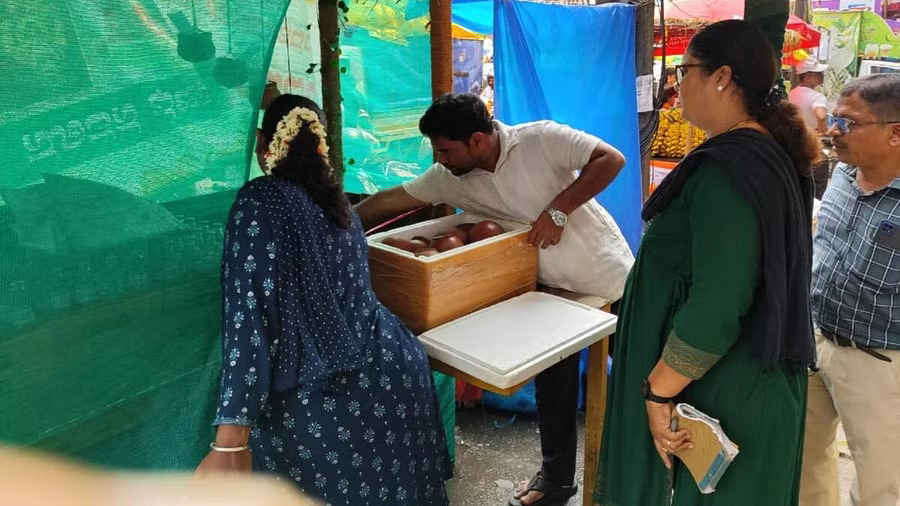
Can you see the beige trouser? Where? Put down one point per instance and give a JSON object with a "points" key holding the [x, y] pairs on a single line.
{"points": [[864, 394]]}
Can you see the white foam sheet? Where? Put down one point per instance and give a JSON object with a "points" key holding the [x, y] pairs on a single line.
{"points": [[438, 225], [510, 342]]}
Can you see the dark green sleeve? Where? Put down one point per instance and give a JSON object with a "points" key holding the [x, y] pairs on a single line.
{"points": [[725, 262]]}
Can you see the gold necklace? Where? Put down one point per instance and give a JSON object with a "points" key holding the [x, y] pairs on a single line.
{"points": [[742, 123]]}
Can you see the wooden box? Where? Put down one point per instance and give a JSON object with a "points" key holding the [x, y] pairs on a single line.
{"points": [[425, 292]]}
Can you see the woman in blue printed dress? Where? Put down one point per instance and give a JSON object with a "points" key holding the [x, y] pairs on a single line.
{"points": [[324, 385]]}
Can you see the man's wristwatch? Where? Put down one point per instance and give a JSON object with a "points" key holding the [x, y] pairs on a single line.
{"points": [[559, 218], [648, 394]]}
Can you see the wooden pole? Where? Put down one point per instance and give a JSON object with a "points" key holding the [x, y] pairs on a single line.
{"points": [[643, 62], [441, 63], [329, 40], [595, 402], [801, 10], [441, 47]]}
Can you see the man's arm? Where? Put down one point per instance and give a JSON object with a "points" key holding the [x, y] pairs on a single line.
{"points": [[604, 165], [820, 113], [385, 205]]}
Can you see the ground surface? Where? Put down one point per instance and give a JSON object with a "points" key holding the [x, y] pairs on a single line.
{"points": [[490, 461]]}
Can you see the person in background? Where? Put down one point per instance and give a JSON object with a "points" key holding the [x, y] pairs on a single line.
{"points": [[671, 82], [670, 97], [487, 94], [326, 386], [542, 173], [716, 311], [856, 303], [812, 106]]}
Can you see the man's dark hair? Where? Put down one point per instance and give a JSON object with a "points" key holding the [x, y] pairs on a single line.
{"points": [[670, 71], [456, 117], [880, 91]]}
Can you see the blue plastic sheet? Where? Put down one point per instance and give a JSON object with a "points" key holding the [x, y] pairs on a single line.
{"points": [[474, 15], [574, 65]]}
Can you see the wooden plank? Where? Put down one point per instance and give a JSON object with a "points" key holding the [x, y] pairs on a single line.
{"points": [[441, 367], [594, 301], [594, 413]]}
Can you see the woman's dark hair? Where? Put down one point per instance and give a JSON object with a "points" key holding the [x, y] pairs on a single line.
{"points": [[754, 66], [303, 163], [456, 117]]}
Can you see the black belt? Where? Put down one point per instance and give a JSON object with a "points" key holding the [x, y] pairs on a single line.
{"points": [[850, 343]]}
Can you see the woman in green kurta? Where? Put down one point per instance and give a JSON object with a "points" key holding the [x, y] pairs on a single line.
{"points": [[716, 309]]}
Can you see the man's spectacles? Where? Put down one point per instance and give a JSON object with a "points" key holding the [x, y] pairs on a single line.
{"points": [[847, 125]]}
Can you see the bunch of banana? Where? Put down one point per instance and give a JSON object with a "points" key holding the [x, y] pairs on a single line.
{"points": [[699, 137], [658, 147], [675, 137]]}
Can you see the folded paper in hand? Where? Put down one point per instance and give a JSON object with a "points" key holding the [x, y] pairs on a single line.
{"points": [[712, 452]]}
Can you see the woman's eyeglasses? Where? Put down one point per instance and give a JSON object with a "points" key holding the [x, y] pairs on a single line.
{"points": [[846, 125], [680, 71]]}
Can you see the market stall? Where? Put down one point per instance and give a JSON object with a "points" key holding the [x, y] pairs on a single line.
{"points": [[468, 285], [855, 43], [675, 137]]}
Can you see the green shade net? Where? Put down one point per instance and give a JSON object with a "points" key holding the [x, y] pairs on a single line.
{"points": [[126, 130], [385, 66]]}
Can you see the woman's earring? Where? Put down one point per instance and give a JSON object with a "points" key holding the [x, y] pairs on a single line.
{"points": [[720, 87]]}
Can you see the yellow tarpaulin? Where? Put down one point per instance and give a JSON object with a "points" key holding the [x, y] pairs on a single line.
{"points": [[461, 33]]}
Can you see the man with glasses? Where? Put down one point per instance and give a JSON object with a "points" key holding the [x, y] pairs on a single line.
{"points": [[856, 302]]}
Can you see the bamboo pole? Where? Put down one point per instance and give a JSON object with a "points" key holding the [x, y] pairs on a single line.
{"points": [[441, 47], [441, 62], [329, 40]]}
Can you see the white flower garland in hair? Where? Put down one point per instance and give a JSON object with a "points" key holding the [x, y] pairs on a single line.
{"points": [[287, 130]]}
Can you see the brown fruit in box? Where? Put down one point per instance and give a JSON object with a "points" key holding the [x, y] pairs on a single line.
{"points": [[463, 236], [403, 244], [424, 241], [427, 252], [447, 242], [465, 227], [484, 230], [419, 244]]}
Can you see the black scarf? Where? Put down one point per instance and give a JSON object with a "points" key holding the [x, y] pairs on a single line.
{"points": [[779, 324]]}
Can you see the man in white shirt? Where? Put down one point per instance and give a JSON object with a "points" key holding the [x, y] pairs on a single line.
{"points": [[545, 174], [811, 104], [813, 107], [487, 95]]}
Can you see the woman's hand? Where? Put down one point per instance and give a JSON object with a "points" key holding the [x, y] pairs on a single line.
{"points": [[225, 463], [228, 436], [666, 441]]}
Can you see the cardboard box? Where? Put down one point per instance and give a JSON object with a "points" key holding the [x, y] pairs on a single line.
{"points": [[425, 292]]}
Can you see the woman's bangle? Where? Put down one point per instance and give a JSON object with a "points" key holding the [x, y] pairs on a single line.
{"points": [[231, 449]]}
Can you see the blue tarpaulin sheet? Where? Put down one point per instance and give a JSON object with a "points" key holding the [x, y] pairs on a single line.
{"points": [[574, 65], [474, 15]]}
